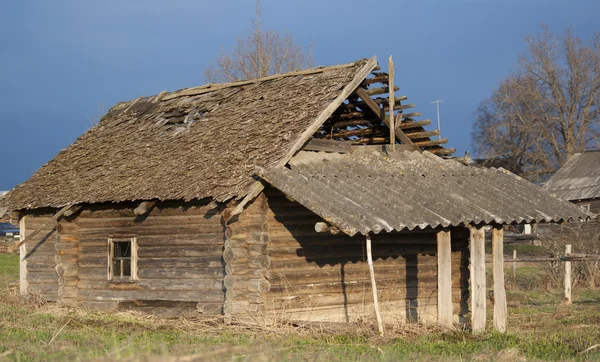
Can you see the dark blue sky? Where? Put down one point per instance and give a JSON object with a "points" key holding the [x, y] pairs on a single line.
{"points": [[63, 63]]}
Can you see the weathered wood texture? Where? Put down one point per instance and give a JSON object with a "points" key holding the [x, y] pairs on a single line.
{"points": [[38, 256], [247, 262], [180, 264], [324, 277]]}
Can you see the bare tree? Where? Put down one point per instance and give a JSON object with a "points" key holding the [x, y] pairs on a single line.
{"points": [[547, 111], [259, 54]]}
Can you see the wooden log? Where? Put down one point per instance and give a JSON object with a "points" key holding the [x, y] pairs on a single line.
{"points": [[323, 227], [411, 115], [375, 79], [444, 274], [478, 290], [234, 254], [353, 122], [432, 143], [416, 135], [349, 115], [379, 113], [52, 222], [414, 124], [398, 107], [500, 311], [442, 151], [381, 90]]}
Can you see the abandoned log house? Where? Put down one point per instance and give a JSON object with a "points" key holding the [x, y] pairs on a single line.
{"points": [[269, 199]]}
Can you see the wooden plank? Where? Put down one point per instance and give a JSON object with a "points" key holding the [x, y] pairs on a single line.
{"points": [[316, 144], [391, 103], [444, 274], [314, 126], [478, 292], [373, 284], [22, 258], [568, 279], [379, 113], [144, 207], [500, 312]]}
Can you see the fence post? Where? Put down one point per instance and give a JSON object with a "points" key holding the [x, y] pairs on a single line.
{"points": [[514, 267], [568, 286]]}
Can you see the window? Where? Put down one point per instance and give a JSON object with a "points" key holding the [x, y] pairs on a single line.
{"points": [[122, 259]]}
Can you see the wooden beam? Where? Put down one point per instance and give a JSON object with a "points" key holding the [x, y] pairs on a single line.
{"points": [[52, 220], [373, 284], [568, 280], [376, 79], [500, 311], [362, 73], [316, 144], [442, 151], [411, 115], [379, 113], [444, 272], [376, 100], [22, 261], [144, 207], [410, 125], [392, 103], [432, 143], [477, 266], [416, 135], [383, 90], [323, 227]]}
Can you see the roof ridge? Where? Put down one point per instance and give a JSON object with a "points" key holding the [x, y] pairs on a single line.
{"points": [[206, 88]]}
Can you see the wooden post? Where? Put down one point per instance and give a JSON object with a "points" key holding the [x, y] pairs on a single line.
{"points": [[392, 103], [568, 286], [373, 285], [478, 292], [22, 261], [444, 259], [514, 267], [499, 290]]}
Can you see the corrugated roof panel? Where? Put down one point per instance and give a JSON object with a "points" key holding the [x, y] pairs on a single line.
{"points": [[369, 191], [578, 178]]}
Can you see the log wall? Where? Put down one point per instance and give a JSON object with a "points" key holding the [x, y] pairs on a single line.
{"points": [[324, 277], [179, 267], [247, 263], [38, 256]]}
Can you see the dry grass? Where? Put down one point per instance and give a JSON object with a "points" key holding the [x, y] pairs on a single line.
{"points": [[540, 328]]}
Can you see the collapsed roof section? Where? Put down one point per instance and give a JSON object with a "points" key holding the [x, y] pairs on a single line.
{"points": [[206, 142], [370, 191]]}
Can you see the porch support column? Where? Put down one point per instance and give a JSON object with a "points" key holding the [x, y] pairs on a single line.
{"points": [[22, 261], [499, 289], [477, 267], [444, 272]]}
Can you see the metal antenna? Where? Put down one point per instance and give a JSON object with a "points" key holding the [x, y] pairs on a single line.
{"points": [[437, 103]]}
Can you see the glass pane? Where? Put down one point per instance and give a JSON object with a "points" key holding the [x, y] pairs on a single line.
{"points": [[116, 263], [122, 249], [126, 267]]}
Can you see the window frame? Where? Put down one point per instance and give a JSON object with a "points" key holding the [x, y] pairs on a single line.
{"points": [[133, 259]]}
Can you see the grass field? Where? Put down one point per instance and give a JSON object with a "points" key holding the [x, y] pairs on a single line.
{"points": [[540, 328]]}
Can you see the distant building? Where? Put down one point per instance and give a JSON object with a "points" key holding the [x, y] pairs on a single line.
{"points": [[578, 181]]}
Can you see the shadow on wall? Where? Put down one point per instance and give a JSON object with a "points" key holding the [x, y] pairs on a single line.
{"points": [[405, 264]]}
